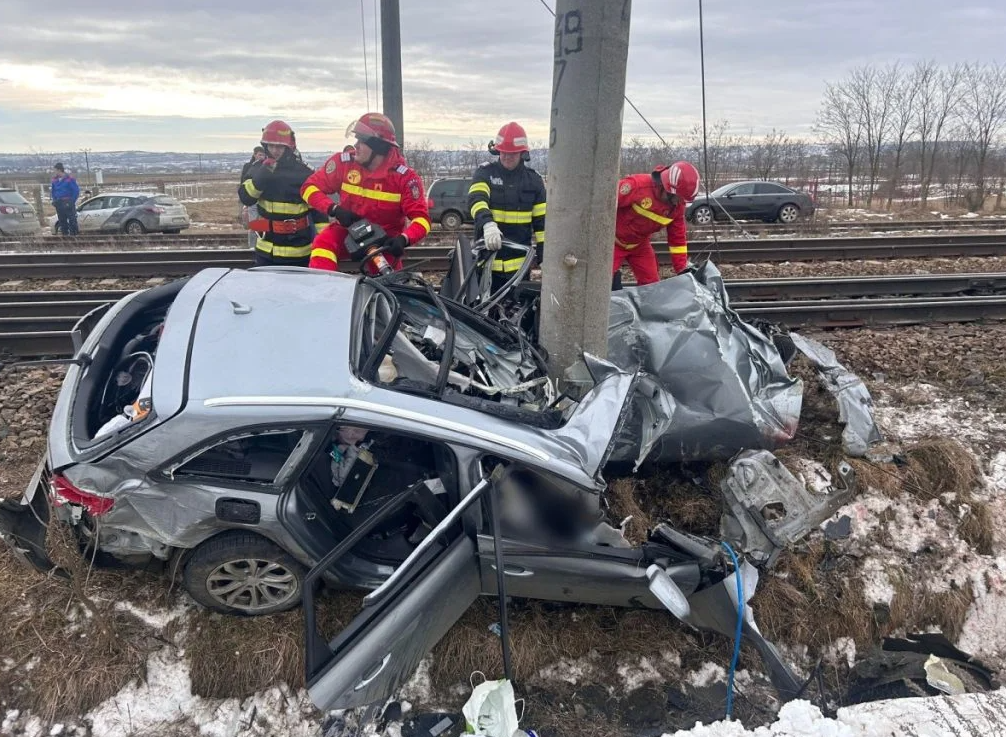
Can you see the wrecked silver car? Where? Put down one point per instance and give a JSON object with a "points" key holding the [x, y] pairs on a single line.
{"points": [[267, 430]]}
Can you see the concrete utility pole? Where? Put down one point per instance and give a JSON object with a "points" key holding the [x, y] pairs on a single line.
{"points": [[391, 65], [588, 86]]}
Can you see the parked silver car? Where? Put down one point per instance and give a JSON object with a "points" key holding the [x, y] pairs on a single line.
{"points": [[129, 212], [17, 215], [386, 443]]}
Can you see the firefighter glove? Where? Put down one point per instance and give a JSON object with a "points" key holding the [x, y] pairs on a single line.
{"points": [[492, 236], [344, 217], [396, 246], [260, 176]]}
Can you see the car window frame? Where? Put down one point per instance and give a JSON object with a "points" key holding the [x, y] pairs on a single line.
{"points": [[778, 188], [737, 193], [285, 477], [100, 199]]}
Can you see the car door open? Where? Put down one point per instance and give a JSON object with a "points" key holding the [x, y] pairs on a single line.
{"points": [[401, 620]]}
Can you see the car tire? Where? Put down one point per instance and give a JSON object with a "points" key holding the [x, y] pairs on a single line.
{"points": [[134, 227], [703, 215], [216, 575], [788, 214], [451, 220]]}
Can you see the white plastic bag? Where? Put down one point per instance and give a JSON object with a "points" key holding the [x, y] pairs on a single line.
{"points": [[491, 710]]}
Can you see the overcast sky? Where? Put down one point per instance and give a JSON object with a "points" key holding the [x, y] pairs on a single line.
{"points": [[205, 76]]}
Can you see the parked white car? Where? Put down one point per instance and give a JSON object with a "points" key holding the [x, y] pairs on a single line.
{"points": [[129, 212]]}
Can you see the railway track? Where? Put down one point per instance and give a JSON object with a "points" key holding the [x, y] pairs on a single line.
{"points": [[169, 263], [39, 323], [238, 239]]}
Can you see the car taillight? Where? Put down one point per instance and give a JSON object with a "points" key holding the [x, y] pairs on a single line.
{"points": [[7, 210], [66, 493], [155, 210]]}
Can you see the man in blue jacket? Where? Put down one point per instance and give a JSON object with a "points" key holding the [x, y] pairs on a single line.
{"points": [[64, 193]]}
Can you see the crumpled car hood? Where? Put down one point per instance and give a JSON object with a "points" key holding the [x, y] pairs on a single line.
{"points": [[710, 384]]}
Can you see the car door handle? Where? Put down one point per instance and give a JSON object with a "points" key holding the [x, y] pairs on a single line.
{"points": [[515, 571], [377, 671]]}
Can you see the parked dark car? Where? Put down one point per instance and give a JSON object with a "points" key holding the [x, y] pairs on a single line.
{"points": [[446, 200], [768, 201], [130, 212]]}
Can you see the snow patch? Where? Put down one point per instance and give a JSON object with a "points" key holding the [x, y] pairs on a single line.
{"points": [[708, 674], [158, 619]]}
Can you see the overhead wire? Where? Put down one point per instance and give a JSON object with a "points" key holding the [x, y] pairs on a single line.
{"points": [[377, 66], [363, 30]]}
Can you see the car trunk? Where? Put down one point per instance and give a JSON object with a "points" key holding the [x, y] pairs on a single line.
{"points": [[114, 372], [173, 213]]}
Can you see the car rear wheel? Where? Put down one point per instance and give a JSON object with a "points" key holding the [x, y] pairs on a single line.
{"points": [[135, 227], [451, 220], [788, 213], [243, 573], [703, 215]]}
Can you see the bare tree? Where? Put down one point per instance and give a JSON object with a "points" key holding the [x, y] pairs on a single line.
{"points": [[938, 92], [983, 115], [872, 90], [905, 93], [841, 124], [767, 155], [422, 158], [719, 143]]}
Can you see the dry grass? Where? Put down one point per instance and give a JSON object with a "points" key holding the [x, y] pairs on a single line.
{"points": [[977, 528], [666, 496], [541, 634], [70, 647], [622, 502], [237, 656], [914, 607], [938, 466]]}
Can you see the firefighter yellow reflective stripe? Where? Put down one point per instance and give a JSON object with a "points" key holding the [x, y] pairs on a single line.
{"points": [[677, 250], [538, 210], [539, 236], [424, 222], [478, 187], [309, 192], [318, 227], [651, 215], [511, 217], [626, 246], [479, 206], [250, 189], [371, 194], [283, 251], [324, 253], [509, 265], [283, 208]]}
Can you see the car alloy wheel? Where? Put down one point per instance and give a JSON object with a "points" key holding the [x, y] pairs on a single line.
{"points": [[252, 584], [451, 220], [135, 227], [703, 215], [789, 214]]}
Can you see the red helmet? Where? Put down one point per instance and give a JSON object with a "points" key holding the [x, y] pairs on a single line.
{"points": [[278, 132], [510, 140], [682, 179], [373, 125]]}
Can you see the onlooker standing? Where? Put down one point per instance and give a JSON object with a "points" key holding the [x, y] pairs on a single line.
{"points": [[63, 191], [250, 212]]}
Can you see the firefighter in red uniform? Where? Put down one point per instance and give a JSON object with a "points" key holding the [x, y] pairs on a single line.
{"points": [[374, 183], [647, 203]]}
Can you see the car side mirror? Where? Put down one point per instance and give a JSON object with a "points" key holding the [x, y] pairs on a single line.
{"points": [[729, 195]]}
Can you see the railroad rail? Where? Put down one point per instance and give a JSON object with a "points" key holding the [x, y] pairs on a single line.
{"points": [[39, 323], [440, 236], [168, 263]]}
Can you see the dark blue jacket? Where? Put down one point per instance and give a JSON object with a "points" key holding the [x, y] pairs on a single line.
{"points": [[64, 187]]}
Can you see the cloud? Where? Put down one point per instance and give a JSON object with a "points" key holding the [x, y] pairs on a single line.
{"points": [[467, 67]]}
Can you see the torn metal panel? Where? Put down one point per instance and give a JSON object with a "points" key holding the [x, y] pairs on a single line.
{"points": [[768, 508], [711, 384], [855, 405]]}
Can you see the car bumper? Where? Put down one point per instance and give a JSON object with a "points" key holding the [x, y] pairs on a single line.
{"points": [[24, 522], [20, 226], [172, 223]]}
